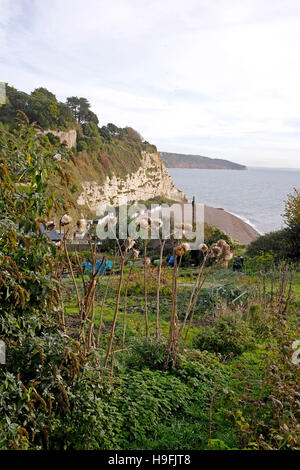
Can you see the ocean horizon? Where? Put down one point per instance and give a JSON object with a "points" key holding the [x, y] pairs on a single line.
{"points": [[256, 195]]}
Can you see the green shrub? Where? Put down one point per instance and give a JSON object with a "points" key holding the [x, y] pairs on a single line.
{"points": [[121, 412], [213, 234], [95, 420], [230, 334], [81, 145], [148, 400], [280, 244], [259, 321], [257, 263], [146, 353]]}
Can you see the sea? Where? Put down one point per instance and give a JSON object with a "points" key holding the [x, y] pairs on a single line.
{"points": [[256, 195]]}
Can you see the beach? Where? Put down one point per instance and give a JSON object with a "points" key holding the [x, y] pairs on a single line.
{"points": [[233, 226]]}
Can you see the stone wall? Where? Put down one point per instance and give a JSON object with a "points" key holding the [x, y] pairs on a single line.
{"points": [[65, 136]]}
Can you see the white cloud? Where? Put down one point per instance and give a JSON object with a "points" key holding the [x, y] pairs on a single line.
{"points": [[220, 72]]}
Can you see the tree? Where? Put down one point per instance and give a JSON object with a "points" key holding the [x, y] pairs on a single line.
{"points": [[73, 103], [84, 108], [104, 132], [292, 219], [14, 100], [285, 243], [292, 209], [40, 106], [90, 129], [43, 110], [113, 130], [66, 116], [133, 134], [43, 91], [92, 117], [80, 108]]}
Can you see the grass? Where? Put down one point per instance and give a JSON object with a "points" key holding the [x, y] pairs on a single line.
{"points": [[135, 301]]}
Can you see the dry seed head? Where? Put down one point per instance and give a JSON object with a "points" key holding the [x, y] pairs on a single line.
{"points": [[228, 257], [179, 250], [129, 243], [186, 246], [81, 225], [216, 251], [203, 248], [50, 225], [65, 220], [157, 222], [179, 225], [143, 223], [135, 253]]}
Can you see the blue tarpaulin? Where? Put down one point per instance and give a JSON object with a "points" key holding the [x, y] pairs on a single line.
{"points": [[104, 266], [171, 261]]}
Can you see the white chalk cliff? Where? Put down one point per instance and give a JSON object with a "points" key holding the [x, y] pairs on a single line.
{"points": [[150, 180]]}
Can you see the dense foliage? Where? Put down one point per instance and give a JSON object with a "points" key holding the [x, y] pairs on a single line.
{"points": [[229, 334], [41, 106], [41, 361]]}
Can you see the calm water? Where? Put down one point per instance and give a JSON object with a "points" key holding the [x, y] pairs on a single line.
{"points": [[256, 195]]}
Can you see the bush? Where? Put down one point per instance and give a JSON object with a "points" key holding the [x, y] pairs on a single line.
{"points": [[81, 145], [144, 353], [121, 412], [213, 234], [278, 243], [95, 420], [211, 298], [260, 320], [261, 262], [230, 334]]}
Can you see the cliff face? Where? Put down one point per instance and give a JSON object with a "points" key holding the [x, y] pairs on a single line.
{"points": [[110, 178], [150, 180]]}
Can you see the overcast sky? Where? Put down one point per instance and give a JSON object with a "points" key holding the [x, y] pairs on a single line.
{"points": [[219, 78]]}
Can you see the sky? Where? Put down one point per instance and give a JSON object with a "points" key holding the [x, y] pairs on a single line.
{"points": [[216, 78]]}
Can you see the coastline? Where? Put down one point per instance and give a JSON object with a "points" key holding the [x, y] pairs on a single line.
{"points": [[247, 221], [230, 224]]}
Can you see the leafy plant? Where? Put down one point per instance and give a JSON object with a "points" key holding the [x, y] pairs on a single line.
{"points": [[146, 353], [229, 334]]}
